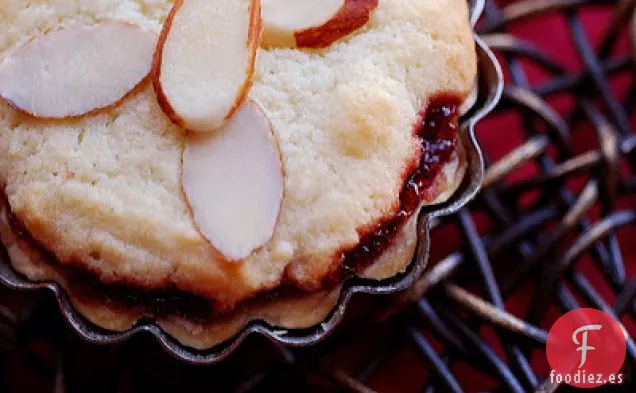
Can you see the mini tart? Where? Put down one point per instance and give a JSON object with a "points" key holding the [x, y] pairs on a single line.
{"points": [[101, 195], [194, 322]]}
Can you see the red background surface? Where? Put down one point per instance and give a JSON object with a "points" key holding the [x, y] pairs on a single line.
{"points": [[500, 134]]}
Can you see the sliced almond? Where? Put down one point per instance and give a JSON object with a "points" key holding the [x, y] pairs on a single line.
{"points": [[78, 70], [233, 181], [205, 60], [313, 23]]}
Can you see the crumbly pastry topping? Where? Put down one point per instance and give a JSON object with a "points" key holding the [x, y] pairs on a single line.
{"points": [[108, 191]]}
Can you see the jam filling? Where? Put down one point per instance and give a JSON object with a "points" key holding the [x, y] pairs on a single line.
{"points": [[438, 135], [437, 132], [89, 289]]}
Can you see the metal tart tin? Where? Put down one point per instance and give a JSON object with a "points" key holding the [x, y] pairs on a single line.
{"points": [[487, 92]]}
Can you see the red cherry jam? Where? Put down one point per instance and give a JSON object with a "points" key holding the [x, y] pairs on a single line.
{"points": [[438, 134]]}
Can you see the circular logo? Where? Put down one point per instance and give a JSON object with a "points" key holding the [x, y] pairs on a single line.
{"points": [[586, 349]]}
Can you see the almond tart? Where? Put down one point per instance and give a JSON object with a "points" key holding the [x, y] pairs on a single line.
{"points": [[204, 163]]}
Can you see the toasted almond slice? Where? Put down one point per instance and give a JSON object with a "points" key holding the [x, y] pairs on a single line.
{"points": [[75, 71], [233, 181], [313, 23], [204, 64]]}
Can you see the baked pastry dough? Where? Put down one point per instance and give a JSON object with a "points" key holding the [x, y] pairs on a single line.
{"points": [[101, 193]]}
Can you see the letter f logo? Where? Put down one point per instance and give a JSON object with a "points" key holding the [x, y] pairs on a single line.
{"points": [[583, 345]]}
